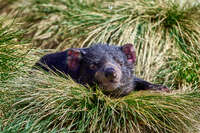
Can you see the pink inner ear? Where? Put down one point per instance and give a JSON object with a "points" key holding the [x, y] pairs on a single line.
{"points": [[73, 59], [74, 53], [129, 52]]}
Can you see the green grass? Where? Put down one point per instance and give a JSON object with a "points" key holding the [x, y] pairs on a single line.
{"points": [[11, 57], [166, 38], [11, 49], [45, 102]]}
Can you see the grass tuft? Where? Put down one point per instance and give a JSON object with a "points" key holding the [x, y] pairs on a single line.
{"points": [[11, 49], [50, 103]]}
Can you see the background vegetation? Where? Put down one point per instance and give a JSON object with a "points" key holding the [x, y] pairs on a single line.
{"points": [[165, 34]]}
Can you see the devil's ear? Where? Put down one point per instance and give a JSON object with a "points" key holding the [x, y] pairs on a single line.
{"points": [[129, 51], [74, 56]]}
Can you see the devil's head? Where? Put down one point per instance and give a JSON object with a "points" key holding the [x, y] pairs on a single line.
{"points": [[110, 67]]}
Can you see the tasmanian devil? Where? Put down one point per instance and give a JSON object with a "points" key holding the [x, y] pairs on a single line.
{"points": [[108, 66]]}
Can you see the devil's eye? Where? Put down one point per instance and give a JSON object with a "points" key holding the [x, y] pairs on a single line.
{"points": [[93, 66]]}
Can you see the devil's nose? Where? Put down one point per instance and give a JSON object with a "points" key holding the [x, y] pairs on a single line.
{"points": [[110, 73]]}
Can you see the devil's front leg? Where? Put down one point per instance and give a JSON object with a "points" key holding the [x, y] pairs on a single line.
{"points": [[140, 84]]}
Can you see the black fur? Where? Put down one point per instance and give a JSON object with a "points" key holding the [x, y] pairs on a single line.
{"points": [[57, 63]]}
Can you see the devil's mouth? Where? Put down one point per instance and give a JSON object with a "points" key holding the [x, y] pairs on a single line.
{"points": [[110, 86]]}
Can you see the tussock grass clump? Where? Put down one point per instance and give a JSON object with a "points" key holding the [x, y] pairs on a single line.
{"points": [[50, 103], [11, 49], [12, 54], [106, 21], [182, 69]]}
